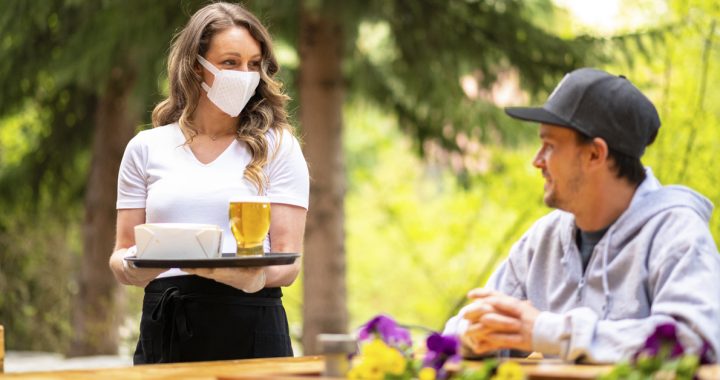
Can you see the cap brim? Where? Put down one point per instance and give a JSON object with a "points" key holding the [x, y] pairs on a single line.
{"points": [[536, 114]]}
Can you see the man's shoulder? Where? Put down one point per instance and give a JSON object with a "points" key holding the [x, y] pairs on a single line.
{"points": [[670, 213]]}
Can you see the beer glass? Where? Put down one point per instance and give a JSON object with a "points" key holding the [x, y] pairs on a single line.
{"points": [[250, 223]]}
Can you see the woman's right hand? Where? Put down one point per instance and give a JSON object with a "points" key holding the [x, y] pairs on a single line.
{"points": [[124, 271], [127, 273]]}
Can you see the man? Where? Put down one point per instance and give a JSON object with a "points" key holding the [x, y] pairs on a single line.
{"points": [[620, 255]]}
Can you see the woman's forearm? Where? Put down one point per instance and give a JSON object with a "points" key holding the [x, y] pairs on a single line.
{"points": [[281, 275]]}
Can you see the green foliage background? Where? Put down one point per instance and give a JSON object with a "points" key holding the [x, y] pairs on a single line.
{"points": [[419, 233], [419, 236]]}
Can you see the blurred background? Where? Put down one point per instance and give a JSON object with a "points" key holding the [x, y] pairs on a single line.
{"points": [[420, 184]]}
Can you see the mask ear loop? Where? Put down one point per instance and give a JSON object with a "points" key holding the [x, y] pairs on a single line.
{"points": [[210, 67]]}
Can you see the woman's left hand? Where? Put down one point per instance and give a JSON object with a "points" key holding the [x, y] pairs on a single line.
{"points": [[249, 280]]}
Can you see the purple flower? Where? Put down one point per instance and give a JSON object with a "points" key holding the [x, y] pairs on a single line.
{"points": [[386, 328], [705, 353], [441, 348], [444, 344], [662, 341], [666, 331]]}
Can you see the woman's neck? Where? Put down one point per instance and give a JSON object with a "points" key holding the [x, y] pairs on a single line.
{"points": [[210, 121]]}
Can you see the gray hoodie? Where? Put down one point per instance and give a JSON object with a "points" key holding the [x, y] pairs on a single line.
{"points": [[656, 264]]}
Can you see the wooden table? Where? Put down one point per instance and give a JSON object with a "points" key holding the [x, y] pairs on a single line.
{"points": [[226, 369], [300, 368]]}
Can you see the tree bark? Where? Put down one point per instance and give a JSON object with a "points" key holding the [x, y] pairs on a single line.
{"points": [[98, 308], [321, 100]]}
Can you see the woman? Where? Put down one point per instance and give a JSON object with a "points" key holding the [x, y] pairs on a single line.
{"points": [[222, 132]]}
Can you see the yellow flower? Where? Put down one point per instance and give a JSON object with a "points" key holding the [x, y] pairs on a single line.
{"points": [[377, 359], [509, 371], [427, 373], [395, 362], [386, 358], [374, 348], [366, 371], [354, 373]]}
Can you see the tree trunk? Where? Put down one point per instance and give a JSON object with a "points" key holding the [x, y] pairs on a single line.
{"points": [[98, 310], [321, 100]]}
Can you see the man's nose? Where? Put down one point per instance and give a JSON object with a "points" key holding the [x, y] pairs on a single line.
{"points": [[539, 159]]}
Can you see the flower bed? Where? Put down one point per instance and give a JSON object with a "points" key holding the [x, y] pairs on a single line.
{"points": [[386, 352]]}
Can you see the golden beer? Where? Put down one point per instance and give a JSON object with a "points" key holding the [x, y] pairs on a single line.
{"points": [[250, 223]]}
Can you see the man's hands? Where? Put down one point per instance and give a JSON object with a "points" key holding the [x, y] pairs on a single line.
{"points": [[249, 280], [497, 321]]}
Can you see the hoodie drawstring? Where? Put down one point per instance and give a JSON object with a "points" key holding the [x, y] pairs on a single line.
{"points": [[606, 286]]}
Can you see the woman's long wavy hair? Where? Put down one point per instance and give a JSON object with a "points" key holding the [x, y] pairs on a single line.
{"points": [[266, 110]]}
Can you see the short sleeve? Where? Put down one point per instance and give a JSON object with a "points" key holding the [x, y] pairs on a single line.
{"points": [[287, 171], [132, 179]]}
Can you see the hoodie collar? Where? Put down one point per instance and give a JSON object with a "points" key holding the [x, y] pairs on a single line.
{"points": [[650, 199]]}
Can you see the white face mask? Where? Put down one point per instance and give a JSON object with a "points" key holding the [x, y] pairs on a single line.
{"points": [[231, 89]]}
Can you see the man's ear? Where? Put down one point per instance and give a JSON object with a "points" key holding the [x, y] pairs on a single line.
{"points": [[599, 151]]}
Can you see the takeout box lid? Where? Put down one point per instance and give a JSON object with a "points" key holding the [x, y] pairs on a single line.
{"points": [[178, 240]]}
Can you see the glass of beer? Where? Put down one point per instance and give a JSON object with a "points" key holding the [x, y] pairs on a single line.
{"points": [[250, 223]]}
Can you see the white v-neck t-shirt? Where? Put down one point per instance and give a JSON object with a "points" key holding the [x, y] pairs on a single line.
{"points": [[162, 175]]}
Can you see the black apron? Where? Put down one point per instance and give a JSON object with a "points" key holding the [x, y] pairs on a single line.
{"points": [[191, 318]]}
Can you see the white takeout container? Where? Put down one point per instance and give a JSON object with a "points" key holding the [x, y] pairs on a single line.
{"points": [[178, 241]]}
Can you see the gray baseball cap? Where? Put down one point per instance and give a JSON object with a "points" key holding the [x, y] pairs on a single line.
{"points": [[599, 104]]}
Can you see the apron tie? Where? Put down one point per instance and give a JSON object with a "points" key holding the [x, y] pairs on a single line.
{"points": [[175, 326]]}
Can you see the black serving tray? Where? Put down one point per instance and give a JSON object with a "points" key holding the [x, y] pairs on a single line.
{"points": [[221, 262]]}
